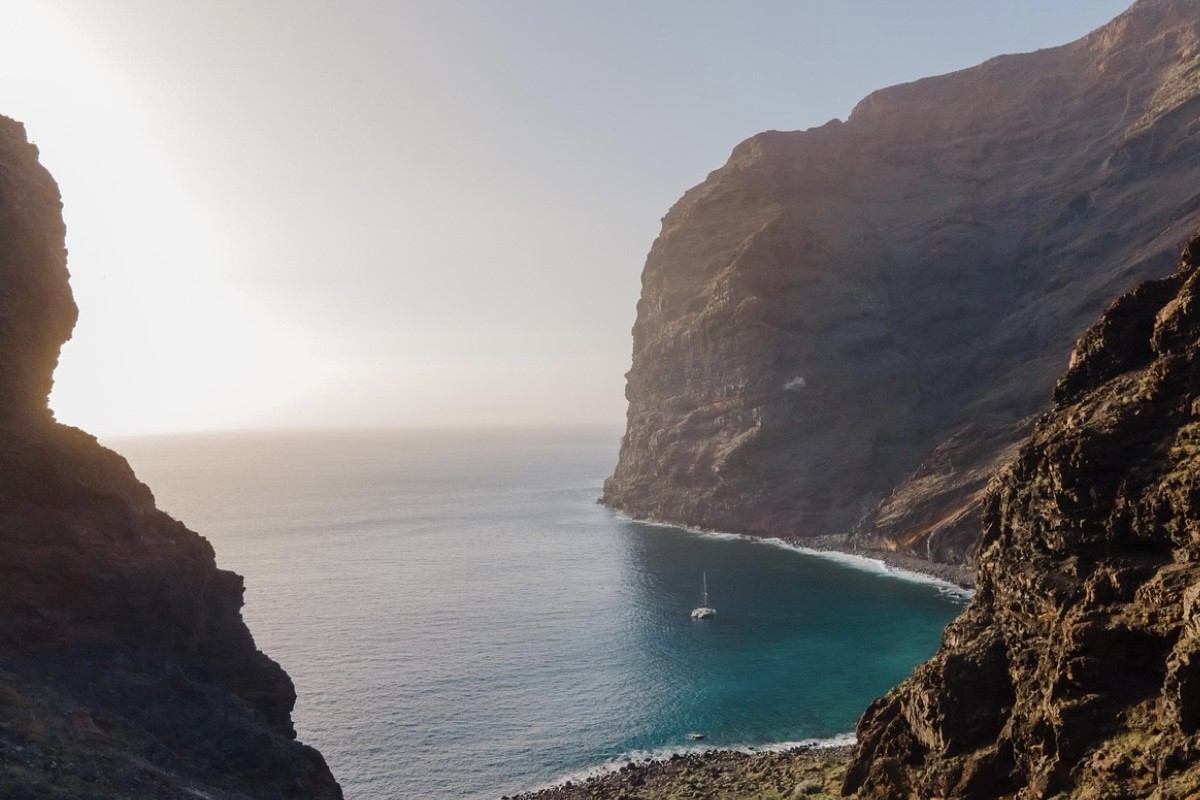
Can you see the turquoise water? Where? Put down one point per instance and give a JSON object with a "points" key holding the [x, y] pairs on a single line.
{"points": [[462, 620]]}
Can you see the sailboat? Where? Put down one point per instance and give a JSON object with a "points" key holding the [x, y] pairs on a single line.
{"points": [[704, 611]]}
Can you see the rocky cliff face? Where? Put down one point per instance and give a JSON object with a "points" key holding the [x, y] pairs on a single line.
{"points": [[125, 667], [848, 328], [1076, 669]]}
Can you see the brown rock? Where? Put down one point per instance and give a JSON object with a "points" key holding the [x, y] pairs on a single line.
{"points": [[1076, 669]]}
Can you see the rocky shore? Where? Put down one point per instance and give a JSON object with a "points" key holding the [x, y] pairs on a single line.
{"points": [[804, 772]]}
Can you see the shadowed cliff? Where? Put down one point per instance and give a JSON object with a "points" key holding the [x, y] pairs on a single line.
{"points": [[847, 329], [125, 666], [1076, 668]]}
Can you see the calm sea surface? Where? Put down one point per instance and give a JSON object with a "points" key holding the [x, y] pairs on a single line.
{"points": [[462, 620]]}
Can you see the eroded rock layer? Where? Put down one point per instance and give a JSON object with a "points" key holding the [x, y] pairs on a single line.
{"points": [[125, 667], [848, 328], [1076, 669]]}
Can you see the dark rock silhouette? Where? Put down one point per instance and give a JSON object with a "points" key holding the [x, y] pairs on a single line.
{"points": [[849, 328], [125, 666], [1076, 668]]}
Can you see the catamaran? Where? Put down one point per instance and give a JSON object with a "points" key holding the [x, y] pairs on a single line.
{"points": [[704, 611]]}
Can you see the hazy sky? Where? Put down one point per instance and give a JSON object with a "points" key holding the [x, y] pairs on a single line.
{"points": [[319, 214]]}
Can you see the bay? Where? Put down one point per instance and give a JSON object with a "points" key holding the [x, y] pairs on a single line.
{"points": [[461, 619]]}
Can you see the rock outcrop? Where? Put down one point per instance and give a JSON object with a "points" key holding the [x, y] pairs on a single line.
{"points": [[849, 328], [1075, 671], [125, 667]]}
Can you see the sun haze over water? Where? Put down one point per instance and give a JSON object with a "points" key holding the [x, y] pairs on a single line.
{"points": [[306, 214]]}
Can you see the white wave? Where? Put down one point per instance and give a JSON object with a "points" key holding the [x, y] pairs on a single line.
{"points": [[643, 757], [881, 567], [671, 526], [851, 560]]}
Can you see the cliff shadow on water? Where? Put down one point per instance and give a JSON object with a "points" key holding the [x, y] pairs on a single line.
{"points": [[798, 645]]}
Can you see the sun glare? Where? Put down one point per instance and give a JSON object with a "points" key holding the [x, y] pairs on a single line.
{"points": [[165, 338]]}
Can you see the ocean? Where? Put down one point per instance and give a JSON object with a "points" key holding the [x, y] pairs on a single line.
{"points": [[461, 619]]}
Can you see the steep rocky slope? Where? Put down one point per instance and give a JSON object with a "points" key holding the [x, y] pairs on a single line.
{"points": [[1076, 669], [125, 667], [848, 328]]}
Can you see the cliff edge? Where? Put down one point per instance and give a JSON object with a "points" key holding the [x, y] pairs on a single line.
{"points": [[848, 329], [1075, 671], [125, 667]]}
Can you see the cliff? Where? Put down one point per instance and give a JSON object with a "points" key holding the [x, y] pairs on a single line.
{"points": [[125, 667], [1076, 668], [849, 328]]}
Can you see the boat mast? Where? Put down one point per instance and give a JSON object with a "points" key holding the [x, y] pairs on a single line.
{"points": [[705, 601]]}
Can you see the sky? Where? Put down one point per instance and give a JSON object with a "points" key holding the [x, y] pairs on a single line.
{"points": [[415, 213]]}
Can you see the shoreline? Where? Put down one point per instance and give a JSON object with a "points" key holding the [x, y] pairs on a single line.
{"points": [[957, 574], [902, 566], [811, 771]]}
